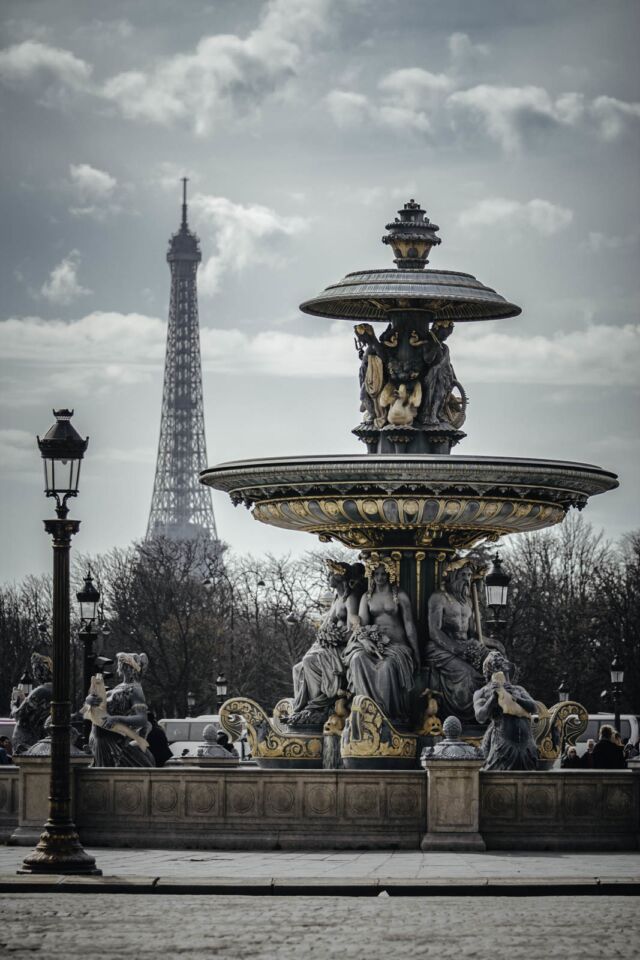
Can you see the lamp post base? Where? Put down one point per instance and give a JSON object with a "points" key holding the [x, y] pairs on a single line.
{"points": [[60, 851]]}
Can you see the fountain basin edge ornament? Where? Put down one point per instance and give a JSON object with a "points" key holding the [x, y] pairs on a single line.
{"points": [[370, 501]]}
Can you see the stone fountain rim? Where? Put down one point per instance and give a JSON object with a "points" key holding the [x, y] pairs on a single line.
{"points": [[424, 459]]}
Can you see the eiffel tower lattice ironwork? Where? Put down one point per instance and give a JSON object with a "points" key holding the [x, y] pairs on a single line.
{"points": [[181, 507]]}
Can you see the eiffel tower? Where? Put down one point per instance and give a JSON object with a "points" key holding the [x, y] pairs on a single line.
{"points": [[181, 507]]}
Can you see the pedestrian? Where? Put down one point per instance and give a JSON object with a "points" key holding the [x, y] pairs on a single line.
{"points": [[6, 751], [223, 741], [157, 740], [587, 757], [607, 754], [571, 760]]}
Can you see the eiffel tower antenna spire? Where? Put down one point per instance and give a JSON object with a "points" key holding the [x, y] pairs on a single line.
{"points": [[181, 506], [183, 225]]}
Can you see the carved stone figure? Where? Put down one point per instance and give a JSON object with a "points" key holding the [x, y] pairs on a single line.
{"points": [[451, 747], [453, 654], [508, 743], [31, 712], [318, 677], [120, 718], [439, 377], [370, 353], [382, 654]]}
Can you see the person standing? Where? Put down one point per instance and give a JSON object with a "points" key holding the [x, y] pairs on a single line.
{"points": [[157, 740], [587, 758], [607, 754]]}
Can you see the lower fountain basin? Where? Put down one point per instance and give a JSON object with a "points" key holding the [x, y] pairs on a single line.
{"points": [[410, 501]]}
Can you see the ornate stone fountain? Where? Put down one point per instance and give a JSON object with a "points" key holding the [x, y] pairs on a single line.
{"points": [[408, 505]]}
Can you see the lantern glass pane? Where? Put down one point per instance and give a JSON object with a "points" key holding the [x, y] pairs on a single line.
{"points": [[617, 675], [496, 595]]}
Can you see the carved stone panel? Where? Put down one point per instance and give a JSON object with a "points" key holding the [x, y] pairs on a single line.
{"points": [[540, 801], [404, 801], [95, 798], [280, 799], [320, 799], [165, 799], [203, 799], [242, 799], [128, 799], [581, 801], [363, 800], [499, 801], [618, 802]]}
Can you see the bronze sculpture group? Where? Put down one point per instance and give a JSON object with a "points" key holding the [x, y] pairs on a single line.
{"points": [[367, 646]]}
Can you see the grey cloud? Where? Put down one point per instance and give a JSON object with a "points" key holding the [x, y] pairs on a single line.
{"points": [[63, 286]]}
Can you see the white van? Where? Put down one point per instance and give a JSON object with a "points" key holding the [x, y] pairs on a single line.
{"points": [[629, 728], [185, 734]]}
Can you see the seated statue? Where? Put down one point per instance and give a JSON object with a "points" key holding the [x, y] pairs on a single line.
{"points": [[453, 654], [31, 712], [508, 743], [382, 654], [119, 720], [318, 677]]}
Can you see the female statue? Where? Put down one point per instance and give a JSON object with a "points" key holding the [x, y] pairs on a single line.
{"points": [[439, 378], [508, 743], [382, 654], [452, 654], [371, 376], [31, 712], [317, 678], [125, 709]]}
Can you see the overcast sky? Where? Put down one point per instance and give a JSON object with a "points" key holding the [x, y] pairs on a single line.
{"points": [[303, 125]]}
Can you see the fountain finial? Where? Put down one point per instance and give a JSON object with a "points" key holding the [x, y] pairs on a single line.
{"points": [[411, 236]]}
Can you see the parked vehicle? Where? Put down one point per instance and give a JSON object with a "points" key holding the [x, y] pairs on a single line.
{"points": [[629, 728], [187, 733], [6, 727]]}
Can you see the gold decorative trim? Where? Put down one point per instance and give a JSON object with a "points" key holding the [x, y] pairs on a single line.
{"points": [[266, 742], [362, 734], [558, 727]]}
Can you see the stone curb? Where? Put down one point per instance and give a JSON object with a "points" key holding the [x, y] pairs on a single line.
{"points": [[325, 886]]}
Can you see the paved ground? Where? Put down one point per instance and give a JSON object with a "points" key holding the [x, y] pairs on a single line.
{"points": [[112, 927], [208, 865]]}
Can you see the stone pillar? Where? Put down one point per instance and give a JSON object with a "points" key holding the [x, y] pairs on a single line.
{"points": [[33, 807], [453, 806]]}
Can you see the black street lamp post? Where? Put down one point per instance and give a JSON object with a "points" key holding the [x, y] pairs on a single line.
{"points": [[59, 849], [617, 679]]}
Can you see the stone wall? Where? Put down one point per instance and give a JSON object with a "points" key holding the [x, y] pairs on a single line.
{"points": [[253, 809], [560, 810]]}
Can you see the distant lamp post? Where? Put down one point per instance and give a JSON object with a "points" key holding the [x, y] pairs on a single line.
{"points": [[191, 702], [221, 689], [88, 598], [617, 679], [59, 849], [563, 691], [496, 586], [25, 683]]}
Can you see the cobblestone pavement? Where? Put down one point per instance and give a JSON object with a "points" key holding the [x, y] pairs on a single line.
{"points": [[401, 865], [112, 927]]}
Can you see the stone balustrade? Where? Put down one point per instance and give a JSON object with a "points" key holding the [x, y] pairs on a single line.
{"points": [[451, 806]]}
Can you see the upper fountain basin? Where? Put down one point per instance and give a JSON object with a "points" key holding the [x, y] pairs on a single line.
{"points": [[443, 294]]}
